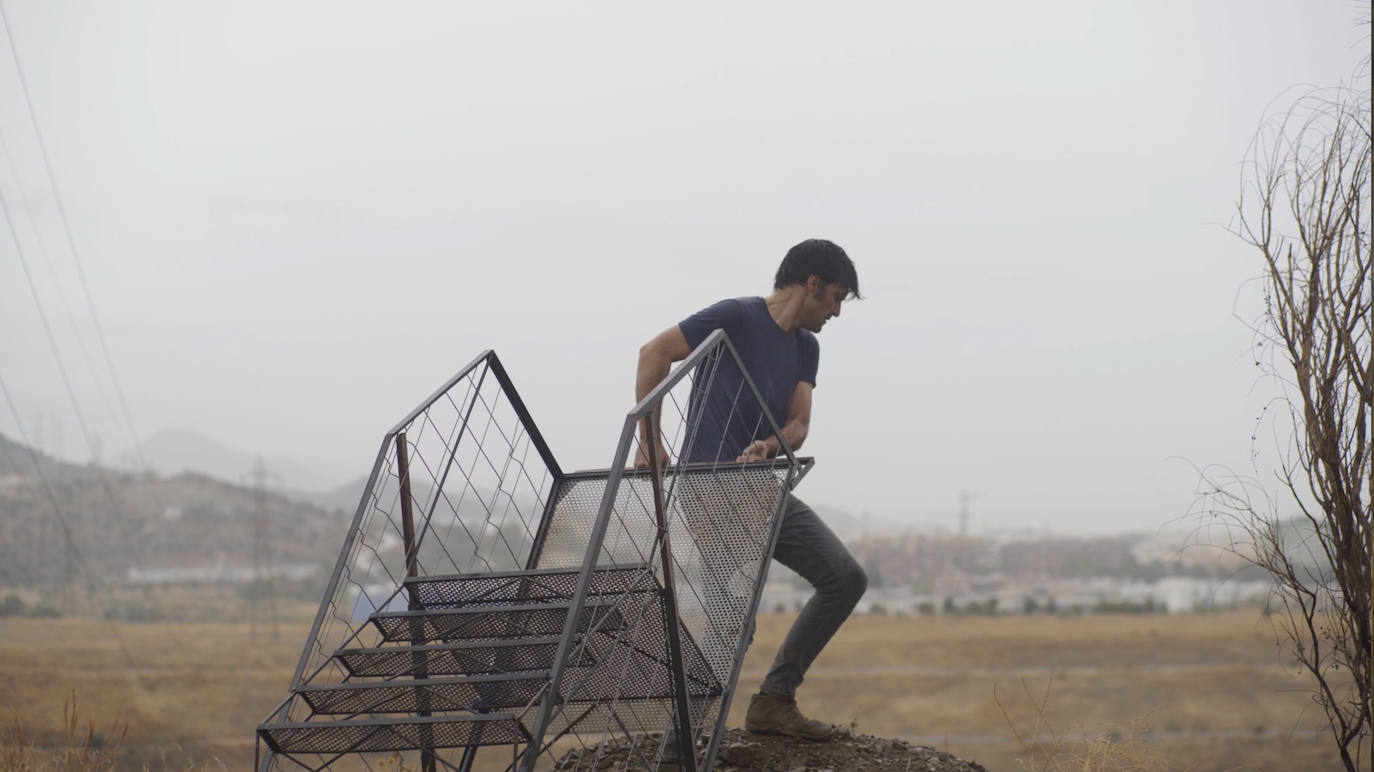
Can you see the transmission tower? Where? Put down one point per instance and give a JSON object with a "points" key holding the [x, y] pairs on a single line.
{"points": [[965, 514], [68, 577], [263, 589]]}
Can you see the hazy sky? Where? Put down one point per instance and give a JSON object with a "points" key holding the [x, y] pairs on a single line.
{"points": [[296, 220]]}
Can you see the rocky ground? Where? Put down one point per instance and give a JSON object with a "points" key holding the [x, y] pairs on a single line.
{"points": [[741, 751]]}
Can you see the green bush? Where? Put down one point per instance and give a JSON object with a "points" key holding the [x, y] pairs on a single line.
{"points": [[11, 606]]}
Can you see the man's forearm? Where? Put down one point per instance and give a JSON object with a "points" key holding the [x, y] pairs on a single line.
{"points": [[653, 368], [794, 432]]}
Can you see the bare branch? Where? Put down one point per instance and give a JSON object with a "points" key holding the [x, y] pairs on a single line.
{"points": [[1305, 208]]}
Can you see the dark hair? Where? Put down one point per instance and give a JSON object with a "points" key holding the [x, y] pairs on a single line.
{"points": [[820, 258]]}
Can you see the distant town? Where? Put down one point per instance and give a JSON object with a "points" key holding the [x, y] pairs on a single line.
{"points": [[131, 530], [915, 573]]}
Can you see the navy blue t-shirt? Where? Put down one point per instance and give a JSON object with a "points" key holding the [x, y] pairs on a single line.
{"points": [[777, 361]]}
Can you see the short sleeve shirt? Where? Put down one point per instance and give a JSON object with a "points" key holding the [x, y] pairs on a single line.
{"points": [[727, 416]]}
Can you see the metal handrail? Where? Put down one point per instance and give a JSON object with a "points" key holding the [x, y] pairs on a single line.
{"points": [[597, 538]]}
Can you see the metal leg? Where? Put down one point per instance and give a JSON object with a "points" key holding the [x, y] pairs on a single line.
{"points": [[413, 600], [686, 740]]}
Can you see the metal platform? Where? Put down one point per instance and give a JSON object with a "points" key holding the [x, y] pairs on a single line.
{"points": [[512, 604]]}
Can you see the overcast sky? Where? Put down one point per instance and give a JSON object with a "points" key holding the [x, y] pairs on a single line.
{"points": [[296, 220]]}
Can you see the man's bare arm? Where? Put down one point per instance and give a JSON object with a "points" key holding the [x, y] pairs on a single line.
{"points": [[655, 359], [794, 430]]}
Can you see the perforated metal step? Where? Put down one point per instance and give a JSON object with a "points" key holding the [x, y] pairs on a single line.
{"points": [[422, 695], [445, 659], [392, 734], [473, 623], [532, 586]]}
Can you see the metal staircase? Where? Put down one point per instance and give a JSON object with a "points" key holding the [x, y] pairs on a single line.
{"points": [[508, 603], [479, 647]]}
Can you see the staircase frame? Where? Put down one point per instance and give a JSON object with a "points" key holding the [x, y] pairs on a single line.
{"points": [[550, 722]]}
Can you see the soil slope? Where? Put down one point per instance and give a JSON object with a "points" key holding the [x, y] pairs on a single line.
{"points": [[741, 751]]}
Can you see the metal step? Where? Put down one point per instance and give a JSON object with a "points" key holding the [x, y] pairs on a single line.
{"points": [[494, 692], [425, 695], [445, 659], [529, 586], [392, 734], [474, 623]]}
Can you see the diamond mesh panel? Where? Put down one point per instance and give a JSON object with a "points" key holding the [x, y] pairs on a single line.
{"points": [[477, 488], [721, 517], [625, 716], [633, 662], [720, 520]]}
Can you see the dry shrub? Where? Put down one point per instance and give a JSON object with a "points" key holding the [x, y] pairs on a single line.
{"points": [[1113, 749], [82, 749]]}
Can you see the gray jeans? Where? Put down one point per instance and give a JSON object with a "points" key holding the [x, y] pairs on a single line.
{"points": [[806, 545]]}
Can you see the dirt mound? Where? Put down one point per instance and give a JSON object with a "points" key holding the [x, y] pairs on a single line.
{"points": [[741, 751]]}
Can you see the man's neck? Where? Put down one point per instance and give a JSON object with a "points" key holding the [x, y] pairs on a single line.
{"points": [[785, 306]]}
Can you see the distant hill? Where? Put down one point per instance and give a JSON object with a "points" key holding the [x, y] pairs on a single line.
{"points": [[121, 520], [18, 460], [173, 451], [341, 498]]}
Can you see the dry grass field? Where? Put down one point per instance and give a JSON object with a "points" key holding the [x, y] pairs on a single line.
{"points": [[1195, 692]]}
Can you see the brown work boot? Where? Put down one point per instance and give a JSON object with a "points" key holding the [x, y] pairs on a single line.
{"points": [[774, 715]]}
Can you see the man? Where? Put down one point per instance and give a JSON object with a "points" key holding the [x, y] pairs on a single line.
{"points": [[775, 340]]}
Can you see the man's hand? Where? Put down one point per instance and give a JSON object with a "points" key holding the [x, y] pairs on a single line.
{"points": [[756, 451], [642, 456]]}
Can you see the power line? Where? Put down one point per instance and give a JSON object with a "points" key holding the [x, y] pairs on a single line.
{"points": [[47, 328], [71, 242], [100, 335], [115, 507], [47, 258]]}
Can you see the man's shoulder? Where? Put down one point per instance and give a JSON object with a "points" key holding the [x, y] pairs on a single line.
{"points": [[751, 303], [730, 311], [752, 307], [731, 314], [730, 304]]}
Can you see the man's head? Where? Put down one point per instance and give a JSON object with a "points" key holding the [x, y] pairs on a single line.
{"points": [[826, 273]]}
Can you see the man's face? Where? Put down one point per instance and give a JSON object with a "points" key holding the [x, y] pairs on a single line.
{"points": [[823, 303]]}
